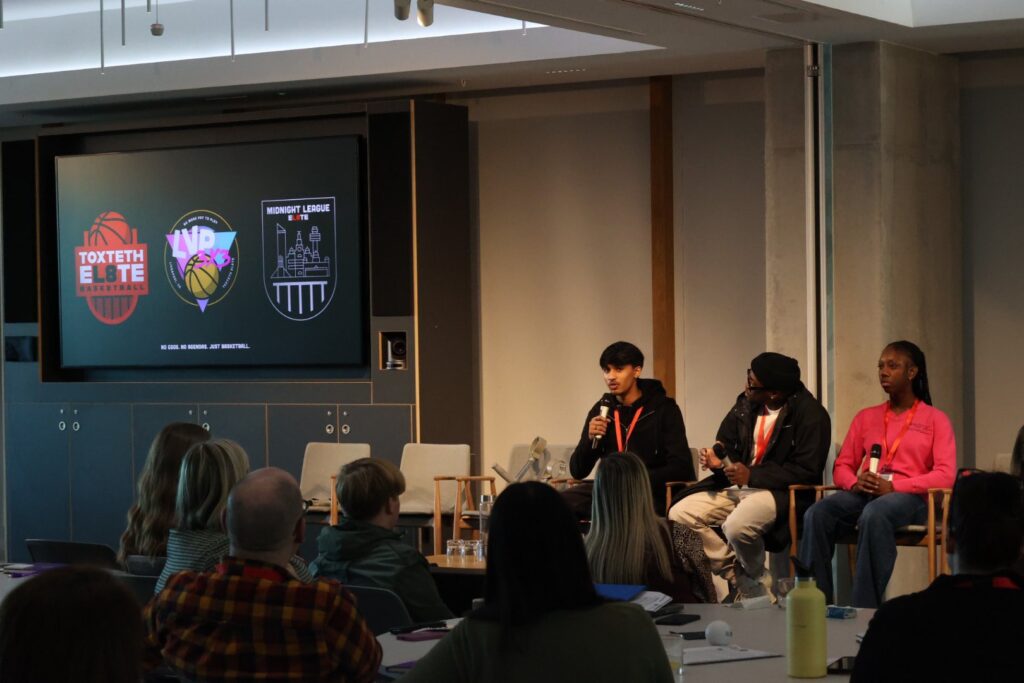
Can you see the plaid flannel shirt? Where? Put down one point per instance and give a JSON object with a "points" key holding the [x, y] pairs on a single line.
{"points": [[249, 620]]}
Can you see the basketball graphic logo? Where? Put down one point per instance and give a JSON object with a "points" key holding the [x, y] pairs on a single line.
{"points": [[201, 257], [201, 277], [110, 229], [111, 268], [300, 256]]}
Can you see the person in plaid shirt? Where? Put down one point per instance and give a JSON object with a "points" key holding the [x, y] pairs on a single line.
{"points": [[251, 618]]}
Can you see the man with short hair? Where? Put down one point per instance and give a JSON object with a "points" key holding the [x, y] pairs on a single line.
{"points": [[775, 435], [641, 419], [250, 618], [968, 626], [365, 550]]}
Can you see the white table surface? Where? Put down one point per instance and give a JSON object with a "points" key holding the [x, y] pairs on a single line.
{"points": [[763, 629]]}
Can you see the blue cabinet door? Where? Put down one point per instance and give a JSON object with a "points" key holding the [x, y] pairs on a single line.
{"points": [[291, 427], [147, 421], [101, 471], [38, 492], [387, 428], [246, 424]]}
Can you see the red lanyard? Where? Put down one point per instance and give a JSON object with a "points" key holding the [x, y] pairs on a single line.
{"points": [[890, 453], [763, 438], [629, 432]]}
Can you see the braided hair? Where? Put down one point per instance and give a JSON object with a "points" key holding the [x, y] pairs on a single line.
{"points": [[919, 384]]}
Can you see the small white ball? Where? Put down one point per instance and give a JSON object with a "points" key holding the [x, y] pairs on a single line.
{"points": [[718, 633]]}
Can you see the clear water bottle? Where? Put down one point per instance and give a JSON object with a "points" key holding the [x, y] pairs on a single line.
{"points": [[486, 503]]}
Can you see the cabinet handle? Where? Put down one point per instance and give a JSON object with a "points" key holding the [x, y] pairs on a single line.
{"points": [[75, 426], [345, 429], [62, 425], [329, 429], [206, 426]]}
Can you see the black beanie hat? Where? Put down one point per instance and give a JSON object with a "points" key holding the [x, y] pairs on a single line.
{"points": [[777, 372]]}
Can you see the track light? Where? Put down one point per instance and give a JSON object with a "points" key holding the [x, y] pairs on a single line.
{"points": [[402, 9], [425, 12]]}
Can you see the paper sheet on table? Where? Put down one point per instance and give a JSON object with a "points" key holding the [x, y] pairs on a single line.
{"points": [[652, 601], [728, 653]]}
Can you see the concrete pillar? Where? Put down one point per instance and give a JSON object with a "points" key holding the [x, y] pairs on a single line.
{"points": [[898, 236], [785, 235]]}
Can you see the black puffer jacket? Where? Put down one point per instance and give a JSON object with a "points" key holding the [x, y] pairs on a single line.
{"points": [[659, 439], [796, 454]]}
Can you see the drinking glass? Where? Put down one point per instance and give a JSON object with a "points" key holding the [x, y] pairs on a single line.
{"points": [[674, 651]]}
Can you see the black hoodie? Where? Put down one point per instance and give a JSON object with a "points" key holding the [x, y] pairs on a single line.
{"points": [[659, 439]]}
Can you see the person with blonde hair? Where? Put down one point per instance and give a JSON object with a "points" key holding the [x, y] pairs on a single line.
{"points": [[209, 471], [628, 544], [364, 549], [151, 518]]}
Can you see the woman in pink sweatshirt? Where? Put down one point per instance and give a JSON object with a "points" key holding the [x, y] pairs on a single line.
{"points": [[892, 455]]}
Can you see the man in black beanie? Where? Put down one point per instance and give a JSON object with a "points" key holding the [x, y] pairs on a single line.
{"points": [[775, 435]]}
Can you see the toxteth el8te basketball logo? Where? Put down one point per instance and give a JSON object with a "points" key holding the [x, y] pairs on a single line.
{"points": [[110, 270], [202, 258]]}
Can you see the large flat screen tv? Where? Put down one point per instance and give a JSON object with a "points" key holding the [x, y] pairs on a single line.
{"points": [[225, 255]]}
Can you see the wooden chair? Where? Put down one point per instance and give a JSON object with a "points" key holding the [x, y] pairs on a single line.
{"points": [[929, 535], [466, 512]]}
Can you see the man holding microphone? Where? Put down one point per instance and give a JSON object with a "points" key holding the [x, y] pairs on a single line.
{"points": [[636, 415]]}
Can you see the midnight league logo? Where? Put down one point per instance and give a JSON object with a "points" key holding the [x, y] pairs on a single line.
{"points": [[299, 255], [201, 258], [110, 269]]}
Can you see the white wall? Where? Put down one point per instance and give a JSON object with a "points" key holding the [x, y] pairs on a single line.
{"points": [[718, 135], [563, 210]]}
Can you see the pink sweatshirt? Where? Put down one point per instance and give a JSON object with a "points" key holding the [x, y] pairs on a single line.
{"points": [[926, 457]]}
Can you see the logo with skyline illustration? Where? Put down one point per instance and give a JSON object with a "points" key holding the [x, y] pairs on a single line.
{"points": [[300, 256], [201, 256]]}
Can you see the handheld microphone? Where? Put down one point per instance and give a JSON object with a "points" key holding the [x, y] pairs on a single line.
{"points": [[876, 453], [719, 450], [607, 401]]}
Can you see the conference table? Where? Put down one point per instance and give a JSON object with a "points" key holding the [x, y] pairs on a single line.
{"points": [[760, 629]]}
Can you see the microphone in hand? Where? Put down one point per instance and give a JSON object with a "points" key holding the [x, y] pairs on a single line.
{"points": [[605, 407], [720, 453], [876, 454]]}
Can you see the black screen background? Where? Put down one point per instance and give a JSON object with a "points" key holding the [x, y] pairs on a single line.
{"points": [[152, 190]]}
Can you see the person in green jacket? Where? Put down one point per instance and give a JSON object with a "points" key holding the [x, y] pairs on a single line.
{"points": [[364, 549]]}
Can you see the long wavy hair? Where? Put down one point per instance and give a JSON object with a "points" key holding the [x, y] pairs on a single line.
{"points": [[919, 384], [152, 516], [209, 470], [625, 537], [1017, 459]]}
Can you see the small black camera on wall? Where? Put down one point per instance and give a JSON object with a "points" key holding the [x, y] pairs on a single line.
{"points": [[393, 351]]}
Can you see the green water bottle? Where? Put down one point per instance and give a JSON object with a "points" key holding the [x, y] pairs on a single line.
{"points": [[805, 630]]}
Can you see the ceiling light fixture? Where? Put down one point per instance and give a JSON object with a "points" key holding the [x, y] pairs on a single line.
{"points": [[402, 9], [366, 25], [266, 15], [122, 23], [156, 28], [231, 14], [425, 12]]}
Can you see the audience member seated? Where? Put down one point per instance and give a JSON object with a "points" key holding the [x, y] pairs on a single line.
{"points": [[965, 627], [917, 452], [250, 619], [629, 544], [152, 516], [365, 550], [775, 435], [542, 619], [208, 471], [71, 624]]}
